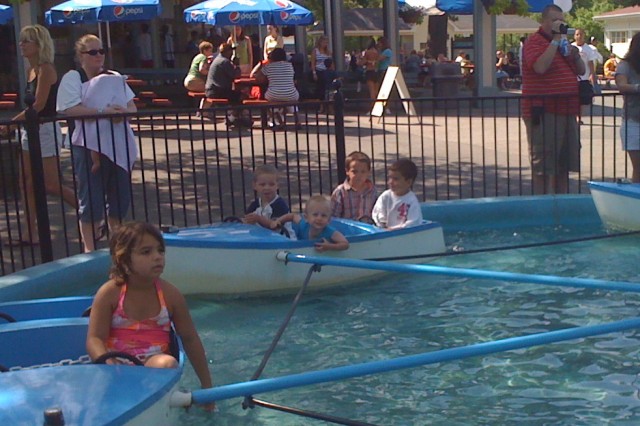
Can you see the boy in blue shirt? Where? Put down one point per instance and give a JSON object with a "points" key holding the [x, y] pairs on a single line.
{"points": [[314, 225], [268, 205]]}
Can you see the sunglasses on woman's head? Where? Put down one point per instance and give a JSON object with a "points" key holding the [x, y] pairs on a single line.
{"points": [[94, 52]]}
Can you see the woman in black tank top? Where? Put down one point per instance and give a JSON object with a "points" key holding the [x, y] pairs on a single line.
{"points": [[42, 82]]}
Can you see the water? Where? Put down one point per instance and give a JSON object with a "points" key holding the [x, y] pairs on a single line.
{"points": [[581, 382]]}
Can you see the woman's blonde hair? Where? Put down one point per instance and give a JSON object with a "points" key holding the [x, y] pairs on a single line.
{"points": [[83, 42], [320, 40], [40, 35]]}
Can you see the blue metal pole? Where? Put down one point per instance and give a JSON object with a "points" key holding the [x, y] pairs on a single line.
{"points": [[205, 396], [465, 273]]}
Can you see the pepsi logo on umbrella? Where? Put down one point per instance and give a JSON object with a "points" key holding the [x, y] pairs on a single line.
{"points": [[118, 11]]}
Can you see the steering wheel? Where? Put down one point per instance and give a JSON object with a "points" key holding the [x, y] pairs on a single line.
{"points": [[102, 359], [232, 219], [7, 317], [366, 219], [284, 231]]}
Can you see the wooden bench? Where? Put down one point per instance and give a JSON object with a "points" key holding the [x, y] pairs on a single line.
{"points": [[5, 105], [147, 95], [139, 103], [9, 97], [204, 102], [605, 80], [161, 102]]}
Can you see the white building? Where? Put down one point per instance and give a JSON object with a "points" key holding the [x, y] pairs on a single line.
{"points": [[619, 26]]}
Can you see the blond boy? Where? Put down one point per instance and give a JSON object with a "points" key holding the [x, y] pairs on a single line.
{"points": [[314, 225]]}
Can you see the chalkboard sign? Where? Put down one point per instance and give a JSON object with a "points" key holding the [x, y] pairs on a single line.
{"points": [[392, 77]]}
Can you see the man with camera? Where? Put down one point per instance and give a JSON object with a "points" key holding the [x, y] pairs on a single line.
{"points": [[550, 104]]}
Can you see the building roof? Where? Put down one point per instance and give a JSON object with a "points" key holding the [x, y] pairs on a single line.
{"points": [[620, 13], [362, 20], [505, 24]]}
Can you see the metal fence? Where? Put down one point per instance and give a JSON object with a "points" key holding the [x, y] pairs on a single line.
{"points": [[192, 170]]}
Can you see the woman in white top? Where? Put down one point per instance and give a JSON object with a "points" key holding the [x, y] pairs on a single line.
{"points": [[318, 55], [104, 150], [272, 40]]}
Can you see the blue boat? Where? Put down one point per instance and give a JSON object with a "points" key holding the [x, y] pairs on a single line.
{"points": [[213, 259], [47, 374], [617, 203]]}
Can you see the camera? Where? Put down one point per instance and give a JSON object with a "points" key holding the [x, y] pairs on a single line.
{"points": [[560, 28]]}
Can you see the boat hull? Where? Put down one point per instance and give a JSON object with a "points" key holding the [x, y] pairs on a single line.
{"points": [[236, 259], [618, 204]]}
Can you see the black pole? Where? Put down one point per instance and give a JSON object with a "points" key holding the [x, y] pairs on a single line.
{"points": [[32, 126], [338, 107]]}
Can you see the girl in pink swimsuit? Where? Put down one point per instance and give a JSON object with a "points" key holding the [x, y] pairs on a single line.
{"points": [[134, 310]]}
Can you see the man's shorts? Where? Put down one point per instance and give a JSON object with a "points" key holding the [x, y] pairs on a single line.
{"points": [[630, 135], [554, 143]]}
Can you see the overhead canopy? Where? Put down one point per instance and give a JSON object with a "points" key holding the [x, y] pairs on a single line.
{"points": [[6, 14], [92, 11], [465, 7], [248, 12]]}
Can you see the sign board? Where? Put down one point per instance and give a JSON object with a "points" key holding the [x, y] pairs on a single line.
{"points": [[392, 77]]}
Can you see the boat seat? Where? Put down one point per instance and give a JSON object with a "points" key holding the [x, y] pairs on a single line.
{"points": [[44, 343]]}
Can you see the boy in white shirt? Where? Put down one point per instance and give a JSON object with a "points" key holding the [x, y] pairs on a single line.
{"points": [[398, 207]]}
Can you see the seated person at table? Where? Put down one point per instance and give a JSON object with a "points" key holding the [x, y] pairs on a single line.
{"points": [[398, 207], [219, 84], [610, 66], [329, 76], [314, 225], [279, 74], [197, 75], [268, 205], [354, 199]]}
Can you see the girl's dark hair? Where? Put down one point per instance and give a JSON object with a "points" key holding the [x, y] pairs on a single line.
{"points": [[278, 55], [633, 54], [372, 44], [122, 243]]}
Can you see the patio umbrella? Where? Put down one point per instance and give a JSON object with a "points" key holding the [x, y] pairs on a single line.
{"points": [[96, 11], [93, 11], [248, 12], [6, 14]]}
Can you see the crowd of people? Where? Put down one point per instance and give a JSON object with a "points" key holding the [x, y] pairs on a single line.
{"points": [[105, 150]]}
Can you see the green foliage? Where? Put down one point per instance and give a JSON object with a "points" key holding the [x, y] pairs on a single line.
{"points": [[499, 7], [582, 17], [412, 15]]}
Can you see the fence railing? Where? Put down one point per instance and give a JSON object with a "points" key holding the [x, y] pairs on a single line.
{"points": [[192, 170]]}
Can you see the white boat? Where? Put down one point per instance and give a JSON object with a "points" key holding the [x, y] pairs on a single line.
{"points": [[618, 204], [236, 259], [47, 373]]}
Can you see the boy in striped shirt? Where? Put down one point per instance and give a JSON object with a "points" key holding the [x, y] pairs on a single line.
{"points": [[354, 199]]}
